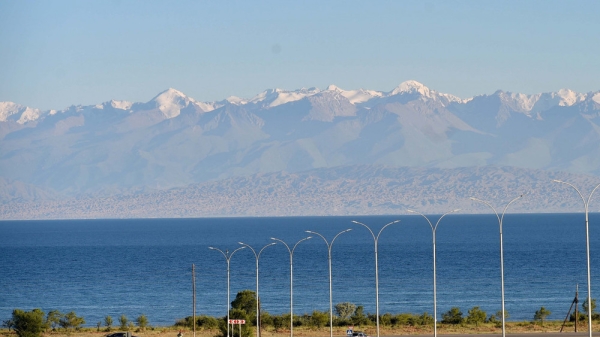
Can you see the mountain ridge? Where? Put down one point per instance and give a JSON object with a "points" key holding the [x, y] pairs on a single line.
{"points": [[173, 141], [340, 191], [170, 98]]}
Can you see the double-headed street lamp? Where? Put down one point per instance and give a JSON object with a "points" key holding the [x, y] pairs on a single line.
{"points": [[330, 293], [257, 256], [291, 251], [376, 239], [586, 204], [228, 259], [433, 230], [500, 219]]}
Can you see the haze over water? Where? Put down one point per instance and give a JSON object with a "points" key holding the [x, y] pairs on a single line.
{"points": [[143, 266]]}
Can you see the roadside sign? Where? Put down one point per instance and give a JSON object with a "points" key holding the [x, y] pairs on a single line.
{"points": [[349, 331], [237, 321]]}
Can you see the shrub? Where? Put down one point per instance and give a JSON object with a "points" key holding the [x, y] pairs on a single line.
{"points": [[123, 322], [359, 317], [71, 321], [404, 319], [319, 318], [541, 315], [476, 316], [425, 319], [28, 323], [108, 322], [452, 316], [345, 310], [207, 322], [142, 322], [53, 319]]}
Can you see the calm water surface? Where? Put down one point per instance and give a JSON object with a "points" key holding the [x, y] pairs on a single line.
{"points": [[132, 267]]}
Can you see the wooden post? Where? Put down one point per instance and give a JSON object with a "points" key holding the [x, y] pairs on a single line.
{"points": [[576, 305], [194, 298]]}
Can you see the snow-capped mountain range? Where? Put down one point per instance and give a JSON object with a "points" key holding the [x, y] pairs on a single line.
{"points": [[174, 140]]}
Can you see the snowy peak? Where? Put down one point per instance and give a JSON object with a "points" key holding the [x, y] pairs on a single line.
{"points": [[411, 87], [273, 97], [18, 113], [121, 105], [355, 96], [596, 97], [171, 101], [539, 102]]}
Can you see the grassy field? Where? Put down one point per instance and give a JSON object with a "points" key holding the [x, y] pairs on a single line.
{"points": [[511, 327]]}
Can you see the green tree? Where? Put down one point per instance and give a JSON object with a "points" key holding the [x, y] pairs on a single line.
{"points": [[28, 323], [452, 316], [53, 319], [123, 322], [359, 317], [202, 321], [345, 309], [71, 321], [404, 319], [585, 305], [279, 322], [142, 322], [245, 300], [497, 317], [385, 319], [98, 325], [319, 318], [541, 315], [585, 309], [207, 322], [108, 322], [476, 316], [425, 319]]}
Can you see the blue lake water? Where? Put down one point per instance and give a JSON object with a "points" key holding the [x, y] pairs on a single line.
{"points": [[143, 266]]}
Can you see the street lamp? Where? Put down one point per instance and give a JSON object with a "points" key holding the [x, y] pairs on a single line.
{"points": [[330, 293], [376, 239], [291, 279], [257, 256], [228, 259], [433, 231], [586, 204], [500, 219]]}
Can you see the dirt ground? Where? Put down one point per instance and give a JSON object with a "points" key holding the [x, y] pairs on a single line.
{"points": [[511, 327]]}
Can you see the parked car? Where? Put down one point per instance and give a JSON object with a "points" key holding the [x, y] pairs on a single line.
{"points": [[359, 334], [119, 334]]}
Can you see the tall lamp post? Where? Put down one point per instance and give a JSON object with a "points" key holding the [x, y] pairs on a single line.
{"points": [[330, 293], [228, 259], [500, 219], [376, 239], [433, 231], [586, 204], [257, 256], [291, 251]]}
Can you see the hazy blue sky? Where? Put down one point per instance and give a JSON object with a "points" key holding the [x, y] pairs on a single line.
{"points": [[57, 53]]}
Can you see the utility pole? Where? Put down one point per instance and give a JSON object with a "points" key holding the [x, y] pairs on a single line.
{"points": [[194, 297], [574, 303]]}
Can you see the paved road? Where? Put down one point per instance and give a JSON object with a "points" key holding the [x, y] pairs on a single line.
{"points": [[530, 334]]}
